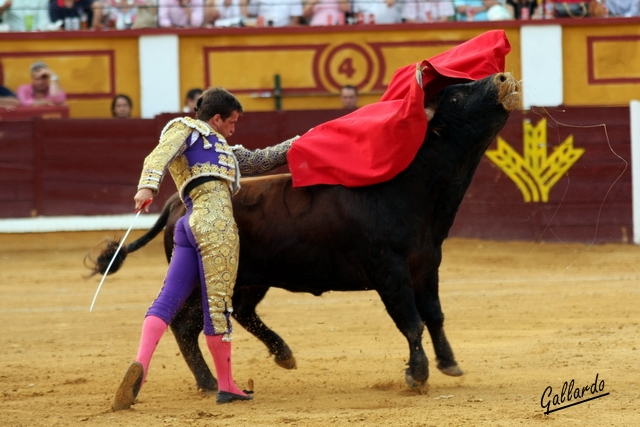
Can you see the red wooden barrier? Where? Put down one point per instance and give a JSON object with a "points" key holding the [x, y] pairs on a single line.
{"points": [[89, 167], [92, 166]]}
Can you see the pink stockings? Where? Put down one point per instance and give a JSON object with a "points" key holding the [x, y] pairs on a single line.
{"points": [[221, 352], [153, 329]]}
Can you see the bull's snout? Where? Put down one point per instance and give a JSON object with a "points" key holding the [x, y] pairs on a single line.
{"points": [[508, 91]]}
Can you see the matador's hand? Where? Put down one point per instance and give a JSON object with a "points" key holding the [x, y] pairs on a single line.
{"points": [[143, 199]]}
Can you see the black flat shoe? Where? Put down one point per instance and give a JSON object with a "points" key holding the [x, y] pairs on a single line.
{"points": [[228, 397]]}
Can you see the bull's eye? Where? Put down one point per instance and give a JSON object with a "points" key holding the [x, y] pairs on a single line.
{"points": [[454, 101]]}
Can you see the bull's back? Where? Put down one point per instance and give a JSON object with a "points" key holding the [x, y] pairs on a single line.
{"points": [[304, 239]]}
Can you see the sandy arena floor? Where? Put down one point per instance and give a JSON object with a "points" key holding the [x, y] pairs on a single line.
{"points": [[520, 317]]}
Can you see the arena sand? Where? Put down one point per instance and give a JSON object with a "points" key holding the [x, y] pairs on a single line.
{"points": [[520, 316]]}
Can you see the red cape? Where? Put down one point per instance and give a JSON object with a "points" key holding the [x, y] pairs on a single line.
{"points": [[376, 142]]}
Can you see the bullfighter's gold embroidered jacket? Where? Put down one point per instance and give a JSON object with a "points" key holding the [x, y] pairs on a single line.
{"points": [[191, 149]]}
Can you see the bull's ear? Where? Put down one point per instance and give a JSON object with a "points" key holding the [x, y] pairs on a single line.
{"points": [[430, 112]]}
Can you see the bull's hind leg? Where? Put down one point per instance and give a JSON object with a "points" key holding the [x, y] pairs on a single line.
{"points": [[245, 300], [186, 327], [397, 295], [428, 303]]}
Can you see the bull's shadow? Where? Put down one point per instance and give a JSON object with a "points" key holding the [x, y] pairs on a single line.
{"points": [[385, 237]]}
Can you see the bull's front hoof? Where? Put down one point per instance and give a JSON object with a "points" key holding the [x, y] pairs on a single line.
{"points": [[452, 371], [286, 363], [450, 368], [207, 385], [411, 382], [208, 391]]}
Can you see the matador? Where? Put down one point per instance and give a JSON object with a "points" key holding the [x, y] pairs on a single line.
{"points": [[206, 171]]}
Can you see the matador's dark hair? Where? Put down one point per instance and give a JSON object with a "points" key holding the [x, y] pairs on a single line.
{"points": [[217, 100]]}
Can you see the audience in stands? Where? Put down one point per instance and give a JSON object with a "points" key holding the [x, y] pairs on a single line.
{"points": [[32, 15], [121, 107], [325, 12], [277, 13], [191, 99], [26, 15], [428, 11], [473, 10], [377, 11], [225, 13], [349, 97], [8, 99], [44, 90], [180, 13]]}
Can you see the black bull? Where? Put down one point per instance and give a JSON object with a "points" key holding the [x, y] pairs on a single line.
{"points": [[386, 237]]}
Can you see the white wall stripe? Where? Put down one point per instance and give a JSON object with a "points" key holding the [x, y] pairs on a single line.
{"points": [[76, 223], [159, 75], [541, 47], [634, 111]]}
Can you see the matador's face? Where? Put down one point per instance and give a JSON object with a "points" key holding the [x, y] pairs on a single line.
{"points": [[225, 127]]}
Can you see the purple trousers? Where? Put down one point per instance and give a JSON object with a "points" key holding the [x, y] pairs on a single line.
{"points": [[205, 255]]}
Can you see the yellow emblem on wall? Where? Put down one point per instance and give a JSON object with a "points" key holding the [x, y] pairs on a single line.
{"points": [[537, 172]]}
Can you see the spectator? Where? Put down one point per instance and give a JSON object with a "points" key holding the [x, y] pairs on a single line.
{"points": [[121, 107], [517, 5], [147, 15], [191, 99], [181, 13], [325, 12], [88, 12], [623, 8], [383, 11], [349, 97], [44, 90], [225, 13], [26, 15], [121, 14], [277, 13], [578, 9], [473, 10], [8, 99], [428, 11]]}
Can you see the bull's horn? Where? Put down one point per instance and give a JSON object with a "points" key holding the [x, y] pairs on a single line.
{"points": [[430, 112]]}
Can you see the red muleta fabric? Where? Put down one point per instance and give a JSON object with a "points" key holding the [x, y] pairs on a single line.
{"points": [[376, 142]]}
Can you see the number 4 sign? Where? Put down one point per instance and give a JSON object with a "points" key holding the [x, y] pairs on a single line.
{"points": [[347, 64]]}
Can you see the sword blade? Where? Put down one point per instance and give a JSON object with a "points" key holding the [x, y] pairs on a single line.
{"points": [[113, 259]]}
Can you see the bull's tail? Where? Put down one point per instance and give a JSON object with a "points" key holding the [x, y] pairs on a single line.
{"points": [[101, 262]]}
